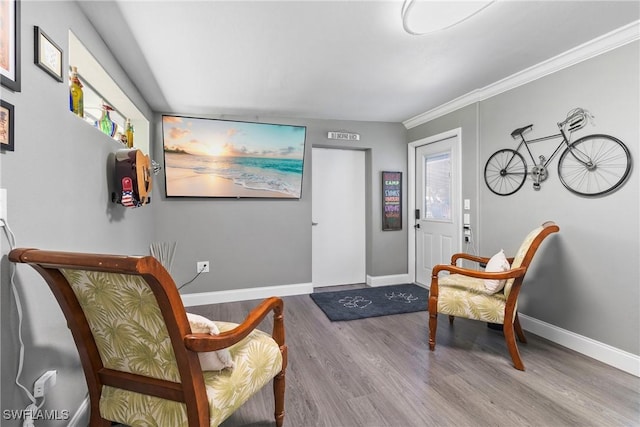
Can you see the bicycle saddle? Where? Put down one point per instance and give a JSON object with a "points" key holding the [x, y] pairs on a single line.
{"points": [[520, 131]]}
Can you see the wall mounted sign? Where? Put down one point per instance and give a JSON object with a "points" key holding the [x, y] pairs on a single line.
{"points": [[391, 201], [343, 136]]}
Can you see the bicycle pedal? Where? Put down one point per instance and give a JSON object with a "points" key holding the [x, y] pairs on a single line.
{"points": [[536, 186]]}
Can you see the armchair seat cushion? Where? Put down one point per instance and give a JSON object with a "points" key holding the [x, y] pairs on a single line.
{"points": [[257, 359], [464, 296]]}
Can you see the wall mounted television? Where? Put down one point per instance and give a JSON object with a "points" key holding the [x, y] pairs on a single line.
{"points": [[232, 159]]}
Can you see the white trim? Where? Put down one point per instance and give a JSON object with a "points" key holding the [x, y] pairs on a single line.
{"points": [[411, 192], [605, 353], [216, 297], [605, 43], [394, 279], [81, 416]]}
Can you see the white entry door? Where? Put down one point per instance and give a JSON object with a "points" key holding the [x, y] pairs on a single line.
{"points": [[437, 203], [338, 212]]}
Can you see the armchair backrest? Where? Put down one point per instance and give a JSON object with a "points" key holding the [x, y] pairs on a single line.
{"points": [[528, 248], [128, 322]]}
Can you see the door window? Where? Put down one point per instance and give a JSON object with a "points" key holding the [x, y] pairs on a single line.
{"points": [[437, 202]]}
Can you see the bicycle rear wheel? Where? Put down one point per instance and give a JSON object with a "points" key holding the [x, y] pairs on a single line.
{"points": [[505, 172], [594, 165]]}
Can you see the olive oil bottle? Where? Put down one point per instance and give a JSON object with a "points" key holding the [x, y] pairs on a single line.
{"points": [[129, 133], [76, 96]]}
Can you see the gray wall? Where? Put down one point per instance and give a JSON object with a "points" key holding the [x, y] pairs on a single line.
{"points": [[586, 278], [255, 243], [58, 198]]}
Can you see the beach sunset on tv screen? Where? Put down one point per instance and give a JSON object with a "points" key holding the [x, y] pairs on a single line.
{"points": [[225, 158]]}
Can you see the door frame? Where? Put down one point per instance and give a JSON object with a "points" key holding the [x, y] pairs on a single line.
{"points": [[411, 191]]}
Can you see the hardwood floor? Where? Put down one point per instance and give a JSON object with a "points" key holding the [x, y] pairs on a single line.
{"points": [[380, 372]]}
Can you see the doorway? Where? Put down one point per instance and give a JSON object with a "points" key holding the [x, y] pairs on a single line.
{"points": [[434, 200], [338, 217]]}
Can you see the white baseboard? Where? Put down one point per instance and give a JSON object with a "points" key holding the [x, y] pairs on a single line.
{"points": [[395, 279], [216, 297], [81, 416], [605, 353]]}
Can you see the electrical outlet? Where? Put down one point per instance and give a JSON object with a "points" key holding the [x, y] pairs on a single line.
{"points": [[45, 382], [202, 267]]}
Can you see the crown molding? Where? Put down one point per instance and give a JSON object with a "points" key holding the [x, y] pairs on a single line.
{"points": [[605, 43]]}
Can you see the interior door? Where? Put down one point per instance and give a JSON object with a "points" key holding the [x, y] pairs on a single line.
{"points": [[338, 212], [437, 204]]}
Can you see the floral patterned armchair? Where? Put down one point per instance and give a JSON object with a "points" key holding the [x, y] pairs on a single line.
{"points": [[138, 353], [467, 293]]}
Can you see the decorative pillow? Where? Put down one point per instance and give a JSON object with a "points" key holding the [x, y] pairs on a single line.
{"points": [[497, 264], [211, 360]]}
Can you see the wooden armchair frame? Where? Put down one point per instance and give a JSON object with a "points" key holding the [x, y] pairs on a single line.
{"points": [[186, 345], [511, 326]]}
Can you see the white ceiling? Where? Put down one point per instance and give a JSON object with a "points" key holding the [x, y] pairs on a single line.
{"points": [[348, 60]]}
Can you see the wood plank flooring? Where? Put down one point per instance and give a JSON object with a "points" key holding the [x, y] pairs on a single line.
{"points": [[380, 372]]}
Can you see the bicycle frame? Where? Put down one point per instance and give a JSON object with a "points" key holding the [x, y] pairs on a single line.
{"points": [[526, 143]]}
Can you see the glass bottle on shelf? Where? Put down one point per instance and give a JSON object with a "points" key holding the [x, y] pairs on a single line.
{"points": [[105, 123], [129, 133], [76, 96]]}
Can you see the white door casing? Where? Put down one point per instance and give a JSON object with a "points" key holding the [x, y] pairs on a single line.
{"points": [[436, 234], [338, 215]]}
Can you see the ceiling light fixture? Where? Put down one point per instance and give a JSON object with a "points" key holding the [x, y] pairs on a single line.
{"points": [[421, 17]]}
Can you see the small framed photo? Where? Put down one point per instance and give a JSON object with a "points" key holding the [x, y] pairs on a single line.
{"points": [[47, 54], [6, 126]]}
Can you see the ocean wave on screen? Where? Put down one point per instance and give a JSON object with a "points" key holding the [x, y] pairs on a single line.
{"points": [[255, 173]]}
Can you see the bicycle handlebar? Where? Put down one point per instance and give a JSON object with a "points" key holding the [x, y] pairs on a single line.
{"points": [[576, 119]]}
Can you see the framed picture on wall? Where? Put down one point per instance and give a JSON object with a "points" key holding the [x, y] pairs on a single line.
{"points": [[6, 126], [10, 44], [47, 54], [391, 201]]}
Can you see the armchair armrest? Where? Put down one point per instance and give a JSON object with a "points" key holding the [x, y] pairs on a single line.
{"points": [[509, 274], [462, 255], [206, 342], [478, 259]]}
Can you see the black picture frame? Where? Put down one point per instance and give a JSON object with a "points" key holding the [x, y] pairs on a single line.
{"points": [[47, 54], [391, 201], [10, 42], [6, 126]]}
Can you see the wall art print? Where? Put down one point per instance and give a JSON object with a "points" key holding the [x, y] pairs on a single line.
{"points": [[6, 126], [10, 44]]}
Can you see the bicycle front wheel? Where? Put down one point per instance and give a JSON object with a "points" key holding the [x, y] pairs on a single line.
{"points": [[594, 165], [505, 172]]}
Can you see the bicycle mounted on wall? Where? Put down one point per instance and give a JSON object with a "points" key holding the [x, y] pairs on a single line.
{"points": [[593, 165]]}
